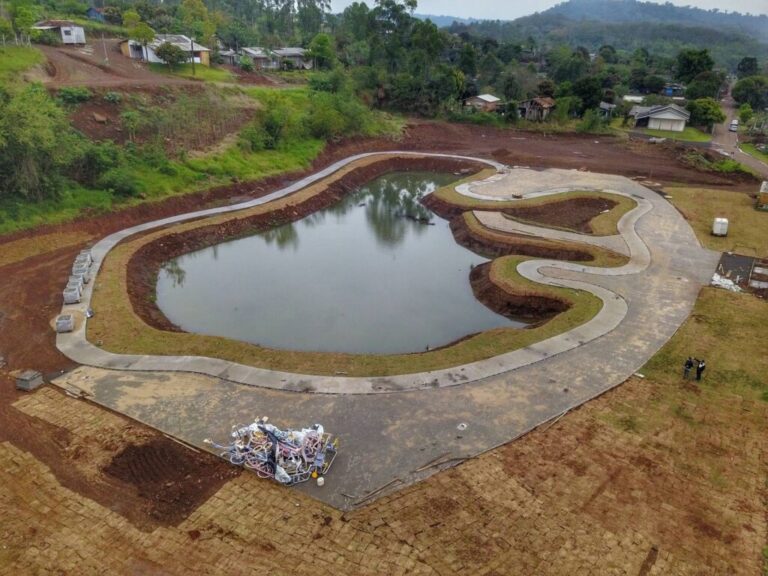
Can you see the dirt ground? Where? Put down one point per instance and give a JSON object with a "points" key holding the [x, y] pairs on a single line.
{"points": [[587, 495], [572, 214], [88, 66]]}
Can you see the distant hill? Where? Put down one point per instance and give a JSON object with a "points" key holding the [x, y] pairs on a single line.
{"points": [[636, 11], [444, 21], [629, 24]]}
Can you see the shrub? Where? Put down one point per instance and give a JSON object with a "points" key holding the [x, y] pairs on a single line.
{"points": [[253, 138], [113, 97], [246, 64], [74, 95], [48, 38], [591, 122], [93, 161], [120, 182]]}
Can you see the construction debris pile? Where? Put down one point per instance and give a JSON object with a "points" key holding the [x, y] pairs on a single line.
{"points": [[719, 281], [288, 456]]}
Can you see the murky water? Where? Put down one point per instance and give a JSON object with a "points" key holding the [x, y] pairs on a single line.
{"points": [[366, 275]]}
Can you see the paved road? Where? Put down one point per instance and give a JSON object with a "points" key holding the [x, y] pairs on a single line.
{"points": [[727, 141], [386, 437]]}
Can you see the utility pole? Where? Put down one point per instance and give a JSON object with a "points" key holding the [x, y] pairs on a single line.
{"points": [[104, 45], [192, 49]]}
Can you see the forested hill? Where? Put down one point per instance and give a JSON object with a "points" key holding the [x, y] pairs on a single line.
{"points": [[552, 28], [635, 11]]}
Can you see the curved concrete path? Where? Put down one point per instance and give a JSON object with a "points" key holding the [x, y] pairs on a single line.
{"points": [[391, 436], [76, 346]]}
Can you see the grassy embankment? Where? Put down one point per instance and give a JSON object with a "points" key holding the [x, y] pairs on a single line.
{"points": [[690, 134], [110, 299], [206, 73], [747, 226], [14, 60], [754, 152], [295, 151]]}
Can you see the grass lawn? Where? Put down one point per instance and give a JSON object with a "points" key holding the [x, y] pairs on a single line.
{"points": [[114, 307], [753, 151], [690, 134], [15, 60], [747, 230], [207, 73]]}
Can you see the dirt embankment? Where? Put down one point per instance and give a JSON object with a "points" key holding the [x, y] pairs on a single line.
{"points": [[145, 264], [507, 244], [571, 214], [532, 308]]}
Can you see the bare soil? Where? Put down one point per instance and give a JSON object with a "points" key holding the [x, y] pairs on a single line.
{"points": [[87, 66], [530, 308], [169, 478], [572, 214]]}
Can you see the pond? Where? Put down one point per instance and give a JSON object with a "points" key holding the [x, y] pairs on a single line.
{"points": [[376, 273]]}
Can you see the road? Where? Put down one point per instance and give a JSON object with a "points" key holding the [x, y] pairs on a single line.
{"points": [[727, 141]]}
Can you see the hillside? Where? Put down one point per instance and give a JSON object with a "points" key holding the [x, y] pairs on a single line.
{"points": [[635, 11], [628, 25]]}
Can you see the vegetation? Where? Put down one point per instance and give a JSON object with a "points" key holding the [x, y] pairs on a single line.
{"points": [[746, 230], [16, 59], [752, 150], [690, 134]]}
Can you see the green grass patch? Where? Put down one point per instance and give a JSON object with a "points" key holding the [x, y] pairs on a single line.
{"points": [[206, 73], [16, 59], [114, 308], [690, 134], [747, 226], [754, 152]]}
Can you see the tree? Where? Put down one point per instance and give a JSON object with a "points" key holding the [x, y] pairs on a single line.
{"points": [[590, 91], [23, 19], [143, 34], [6, 29], [34, 144], [745, 113], [131, 19], [653, 84], [691, 63], [171, 54], [608, 54], [321, 50], [752, 90], [747, 67], [546, 88], [705, 85], [706, 112]]}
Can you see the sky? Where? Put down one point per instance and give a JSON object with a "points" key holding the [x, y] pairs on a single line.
{"points": [[508, 10]]}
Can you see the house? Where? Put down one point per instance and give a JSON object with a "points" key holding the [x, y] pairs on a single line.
{"points": [[607, 109], [196, 52], [229, 57], [669, 117], [293, 58], [536, 109], [483, 102], [69, 32], [95, 14], [672, 90], [262, 58]]}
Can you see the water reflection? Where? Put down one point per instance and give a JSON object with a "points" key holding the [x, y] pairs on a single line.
{"points": [[374, 273]]}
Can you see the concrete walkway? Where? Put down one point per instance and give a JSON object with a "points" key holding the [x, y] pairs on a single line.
{"points": [[390, 436]]}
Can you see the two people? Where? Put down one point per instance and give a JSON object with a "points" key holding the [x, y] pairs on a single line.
{"points": [[690, 363]]}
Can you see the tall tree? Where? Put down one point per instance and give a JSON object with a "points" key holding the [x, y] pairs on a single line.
{"points": [[691, 63], [747, 67], [143, 34]]}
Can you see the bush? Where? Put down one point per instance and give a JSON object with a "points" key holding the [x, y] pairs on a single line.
{"points": [[74, 95], [120, 182], [48, 38], [253, 138], [591, 122], [113, 97], [246, 64], [93, 161]]}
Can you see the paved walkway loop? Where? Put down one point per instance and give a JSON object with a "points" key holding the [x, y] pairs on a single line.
{"points": [[392, 426]]}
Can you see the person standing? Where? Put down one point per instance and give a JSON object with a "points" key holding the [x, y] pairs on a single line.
{"points": [[687, 368], [700, 367]]}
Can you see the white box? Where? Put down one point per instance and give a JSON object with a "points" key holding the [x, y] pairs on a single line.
{"points": [[720, 227]]}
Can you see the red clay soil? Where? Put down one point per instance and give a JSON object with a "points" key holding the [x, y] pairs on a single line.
{"points": [[145, 264], [508, 244], [171, 479], [532, 308], [157, 483], [73, 66], [571, 214]]}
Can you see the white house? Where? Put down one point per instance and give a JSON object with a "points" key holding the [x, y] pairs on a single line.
{"points": [[197, 52], [69, 32], [262, 58], [295, 57], [277, 59], [669, 117]]}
